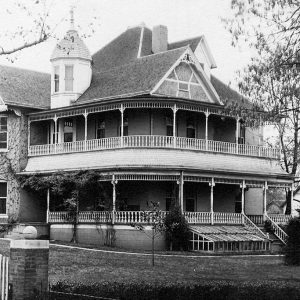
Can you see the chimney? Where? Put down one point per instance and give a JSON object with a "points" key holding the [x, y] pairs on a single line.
{"points": [[159, 38]]}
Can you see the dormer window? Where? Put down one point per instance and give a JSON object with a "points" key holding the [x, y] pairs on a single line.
{"points": [[69, 78], [56, 79]]}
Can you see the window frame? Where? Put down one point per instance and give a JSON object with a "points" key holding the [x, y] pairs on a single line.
{"points": [[56, 78], [69, 80], [6, 148], [4, 214]]}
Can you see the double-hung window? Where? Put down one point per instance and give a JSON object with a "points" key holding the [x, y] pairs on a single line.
{"points": [[3, 196], [69, 78], [56, 79], [3, 132], [100, 130]]}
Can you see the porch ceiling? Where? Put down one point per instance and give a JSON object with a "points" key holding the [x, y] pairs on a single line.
{"points": [[161, 159]]}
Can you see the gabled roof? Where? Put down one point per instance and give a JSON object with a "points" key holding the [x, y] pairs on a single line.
{"points": [[24, 88], [228, 95], [136, 78], [192, 42]]}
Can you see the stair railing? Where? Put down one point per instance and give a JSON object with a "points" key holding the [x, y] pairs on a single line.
{"points": [[249, 223], [280, 234]]}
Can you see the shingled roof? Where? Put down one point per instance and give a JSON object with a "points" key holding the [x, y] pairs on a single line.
{"points": [[24, 88], [136, 78], [192, 42]]}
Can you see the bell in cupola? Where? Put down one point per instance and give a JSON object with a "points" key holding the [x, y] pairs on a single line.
{"points": [[71, 68]]}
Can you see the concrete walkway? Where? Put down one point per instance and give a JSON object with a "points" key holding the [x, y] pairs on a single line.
{"points": [[162, 255]]}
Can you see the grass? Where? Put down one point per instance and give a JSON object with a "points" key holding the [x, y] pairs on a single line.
{"points": [[86, 266]]}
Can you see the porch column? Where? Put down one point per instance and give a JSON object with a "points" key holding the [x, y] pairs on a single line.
{"points": [[180, 183], [48, 205], [114, 182], [174, 124], [55, 132], [237, 134], [243, 186], [29, 123], [212, 184], [206, 129], [265, 188], [122, 123], [85, 128]]}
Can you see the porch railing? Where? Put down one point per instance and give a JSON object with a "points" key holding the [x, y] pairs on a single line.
{"points": [[129, 217], [278, 231], [256, 219], [153, 141], [280, 218]]}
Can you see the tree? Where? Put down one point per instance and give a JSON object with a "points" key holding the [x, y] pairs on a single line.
{"points": [[153, 218], [271, 80], [40, 20], [292, 249], [265, 24], [68, 188]]}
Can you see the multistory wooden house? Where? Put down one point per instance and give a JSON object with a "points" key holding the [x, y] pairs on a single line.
{"points": [[149, 116]]}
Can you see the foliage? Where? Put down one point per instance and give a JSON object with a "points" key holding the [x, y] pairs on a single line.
{"points": [[176, 228], [40, 22], [153, 218], [292, 249], [173, 290], [69, 188]]}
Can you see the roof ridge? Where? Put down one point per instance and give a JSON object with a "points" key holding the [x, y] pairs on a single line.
{"points": [[192, 38], [139, 60], [24, 69]]}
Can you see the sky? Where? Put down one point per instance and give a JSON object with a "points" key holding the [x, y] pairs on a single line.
{"points": [[184, 19]]}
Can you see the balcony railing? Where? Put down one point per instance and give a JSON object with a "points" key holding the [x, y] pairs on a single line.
{"points": [[130, 217], [154, 141]]}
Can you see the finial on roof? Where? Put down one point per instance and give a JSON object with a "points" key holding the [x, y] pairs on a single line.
{"points": [[72, 18]]}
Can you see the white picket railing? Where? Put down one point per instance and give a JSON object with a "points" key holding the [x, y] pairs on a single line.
{"points": [[280, 218], [227, 218], [198, 217], [153, 141], [256, 219], [4, 261], [278, 231]]}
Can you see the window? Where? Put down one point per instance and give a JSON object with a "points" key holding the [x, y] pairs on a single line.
{"points": [[3, 132], [68, 131], [183, 86], [169, 126], [100, 130], [170, 198], [3, 196], [56, 79], [190, 129], [69, 78]]}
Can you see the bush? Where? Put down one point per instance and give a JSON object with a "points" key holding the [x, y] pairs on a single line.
{"points": [[292, 249], [207, 290], [176, 228]]}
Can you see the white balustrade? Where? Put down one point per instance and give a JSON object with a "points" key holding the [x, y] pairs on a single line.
{"points": [[256, 219], [227, 218], [280, 218], [198, 217], [278, 231], [153, 141]]}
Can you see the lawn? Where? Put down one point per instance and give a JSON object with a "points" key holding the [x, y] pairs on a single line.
{"points": [[86, 266]]}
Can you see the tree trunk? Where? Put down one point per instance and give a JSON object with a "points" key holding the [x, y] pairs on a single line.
{"points": [[153, 237]]}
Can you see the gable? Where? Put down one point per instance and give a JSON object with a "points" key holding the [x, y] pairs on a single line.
{"points": [[183, 81]]}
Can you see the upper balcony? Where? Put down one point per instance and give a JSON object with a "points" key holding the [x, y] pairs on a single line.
{"points": [[144, 125]]}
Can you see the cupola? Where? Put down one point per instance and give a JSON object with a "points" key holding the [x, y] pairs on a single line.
{"points": [[71, 68]]}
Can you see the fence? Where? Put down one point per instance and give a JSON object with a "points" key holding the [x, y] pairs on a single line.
{"points": [[5, 291]]}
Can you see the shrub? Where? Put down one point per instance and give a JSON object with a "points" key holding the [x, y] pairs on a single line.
{"points": [[207, 290], [292, 249], [176, 228]]}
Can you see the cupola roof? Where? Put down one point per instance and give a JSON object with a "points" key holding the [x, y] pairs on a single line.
{"points": [[71, 46]]}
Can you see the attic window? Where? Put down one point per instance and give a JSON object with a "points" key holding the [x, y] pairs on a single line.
{"points": [[183, 87], [69, 78]]}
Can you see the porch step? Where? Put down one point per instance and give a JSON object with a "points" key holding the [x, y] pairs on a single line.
{"points": [[276, 243]]}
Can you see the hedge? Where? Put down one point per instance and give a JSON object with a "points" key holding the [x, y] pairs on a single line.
{"points": [[206, 290]]}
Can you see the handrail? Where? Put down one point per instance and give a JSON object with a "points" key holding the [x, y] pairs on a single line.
{"points": [[153, 141], [248, 222], [280, 234], [280, 218]]}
